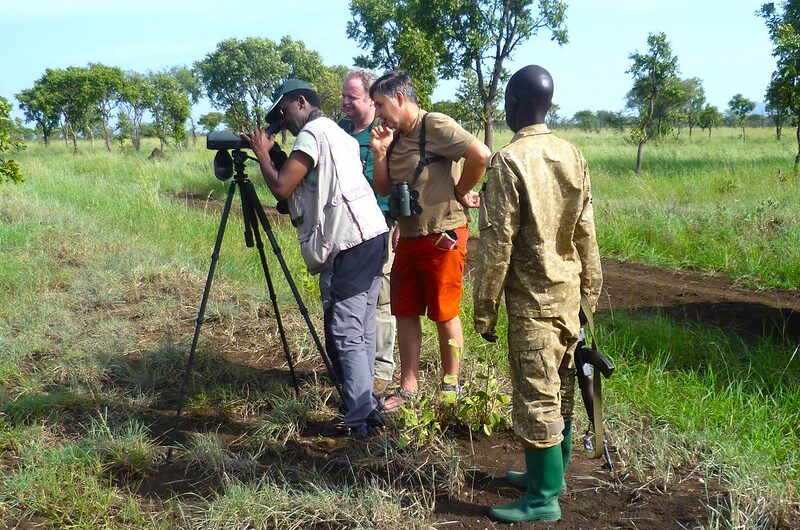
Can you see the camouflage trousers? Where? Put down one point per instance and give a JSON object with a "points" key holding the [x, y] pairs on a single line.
{"points": [[541, 356]]}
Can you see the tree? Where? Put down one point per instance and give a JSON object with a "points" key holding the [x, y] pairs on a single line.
{"points": [[106, 83], [211, 121], [697, 101], [74, 95], [777, 114], [553, 119], [9, 168], [586, 120], [651, 72], [39, 106], [189, 82], [453, 36], [389, 30], [137, 97], [240, 76], [169, 107], [740, 107], [783, 92], [708, 118]]}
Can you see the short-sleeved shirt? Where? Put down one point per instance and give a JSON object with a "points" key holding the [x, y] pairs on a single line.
{"points": [[367, 158], [440, 209]]}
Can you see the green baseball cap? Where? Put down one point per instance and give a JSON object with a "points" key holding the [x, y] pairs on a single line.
{"points": [[290, 85]]}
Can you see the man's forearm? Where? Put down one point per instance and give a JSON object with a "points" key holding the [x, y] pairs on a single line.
{"points": [[380, 174]]}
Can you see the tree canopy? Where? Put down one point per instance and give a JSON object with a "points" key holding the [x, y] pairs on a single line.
{"points": [[451, 37], [652, 73], [9, 169]]}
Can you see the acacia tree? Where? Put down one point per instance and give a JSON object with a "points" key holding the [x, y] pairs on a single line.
{"points": [[9, 168], [389, 31], [740, 107], [169, 107], [107, 83], [708, 118], [189, 82], [783, 24], [697, 102], [136, 97], [651, 73], [74, 95], [453, 36], [211, 121], [39, 107], [240, 76]]}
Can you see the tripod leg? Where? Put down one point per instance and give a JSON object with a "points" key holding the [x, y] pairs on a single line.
{"points": [[200, 318], [276, 249], [250, 213]]}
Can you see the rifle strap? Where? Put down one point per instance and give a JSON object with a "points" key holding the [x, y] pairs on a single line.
{"points": [[597, 387]]}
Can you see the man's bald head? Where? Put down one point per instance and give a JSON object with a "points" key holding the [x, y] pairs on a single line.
{"points": [[529, 95]]}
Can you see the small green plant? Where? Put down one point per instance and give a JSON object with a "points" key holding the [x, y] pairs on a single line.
{"points": [[483, 405], [420, 424]]}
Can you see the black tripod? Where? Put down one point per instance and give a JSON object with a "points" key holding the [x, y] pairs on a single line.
{"points": [[254, 215]]}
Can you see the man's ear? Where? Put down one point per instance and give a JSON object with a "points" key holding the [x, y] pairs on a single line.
{"points": [[401, 98]]}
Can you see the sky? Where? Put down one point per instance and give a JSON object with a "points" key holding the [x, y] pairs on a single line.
{"points": [[722, 42]]}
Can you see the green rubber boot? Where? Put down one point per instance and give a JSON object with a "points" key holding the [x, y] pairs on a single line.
{"points": [[540, 501], [520, 478]]}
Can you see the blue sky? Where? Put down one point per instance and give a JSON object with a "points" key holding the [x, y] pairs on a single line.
{"points": [[720, 41]]}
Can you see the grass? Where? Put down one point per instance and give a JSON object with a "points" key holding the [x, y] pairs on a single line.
{"points": [[104, 257]]}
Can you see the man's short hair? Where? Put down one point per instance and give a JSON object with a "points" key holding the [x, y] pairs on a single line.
{"points": [[367, 77], [309, 95], [391, 83]]}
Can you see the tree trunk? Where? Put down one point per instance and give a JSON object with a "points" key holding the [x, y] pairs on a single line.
{"points": [[105, 134], [74, 143], [743, 138], [778, 132], [797, 158], [488, 128], [709, 133], [194, 133], [639, 158], [690, 131]]}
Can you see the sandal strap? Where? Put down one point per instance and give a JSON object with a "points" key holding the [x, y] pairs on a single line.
{"points": [[408, 395]]}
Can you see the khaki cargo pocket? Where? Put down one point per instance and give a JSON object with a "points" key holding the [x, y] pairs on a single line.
{"points": [[528, 361]]}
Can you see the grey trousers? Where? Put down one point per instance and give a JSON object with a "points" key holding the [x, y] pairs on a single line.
{"points": [[349, 290], [386, 327]]}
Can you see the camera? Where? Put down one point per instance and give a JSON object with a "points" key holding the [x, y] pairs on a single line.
{"points": [[403, 201]]}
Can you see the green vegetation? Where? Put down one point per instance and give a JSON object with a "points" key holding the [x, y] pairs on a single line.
{"points": [[104, 257]]}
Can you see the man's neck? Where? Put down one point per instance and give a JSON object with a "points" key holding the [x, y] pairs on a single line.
{"points": [[359, 124], [411, 111]]}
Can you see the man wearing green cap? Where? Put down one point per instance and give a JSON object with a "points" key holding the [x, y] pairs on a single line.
{"points": [[342, 235]]}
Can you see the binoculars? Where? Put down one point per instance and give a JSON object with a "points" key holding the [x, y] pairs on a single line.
{"points": [[403, 201]]}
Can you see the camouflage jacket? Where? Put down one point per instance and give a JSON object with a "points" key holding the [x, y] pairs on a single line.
{"points": [[537, 239]]}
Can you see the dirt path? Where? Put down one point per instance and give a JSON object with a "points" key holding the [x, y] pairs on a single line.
{"points": [[708, 299]]}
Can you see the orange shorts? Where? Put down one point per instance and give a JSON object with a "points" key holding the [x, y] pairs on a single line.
{"points": [[427, 277]]}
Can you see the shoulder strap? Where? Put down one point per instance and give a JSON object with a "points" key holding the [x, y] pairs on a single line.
{"points": [[423, 160]]}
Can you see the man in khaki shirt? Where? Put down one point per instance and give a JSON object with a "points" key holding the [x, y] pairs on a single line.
{"points": [[537, 246], [419, 151]]}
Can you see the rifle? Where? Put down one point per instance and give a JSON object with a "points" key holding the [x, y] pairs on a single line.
{"points": [[588, 362]]}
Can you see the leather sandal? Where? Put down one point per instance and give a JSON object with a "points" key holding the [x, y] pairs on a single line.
{"points": [[400, 397]]}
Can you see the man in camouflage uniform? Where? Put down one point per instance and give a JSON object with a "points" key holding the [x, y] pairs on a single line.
{"points": [[537, 246]]}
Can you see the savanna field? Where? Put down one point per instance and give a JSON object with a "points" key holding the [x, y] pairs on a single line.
{"points": [[103, 260]]}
